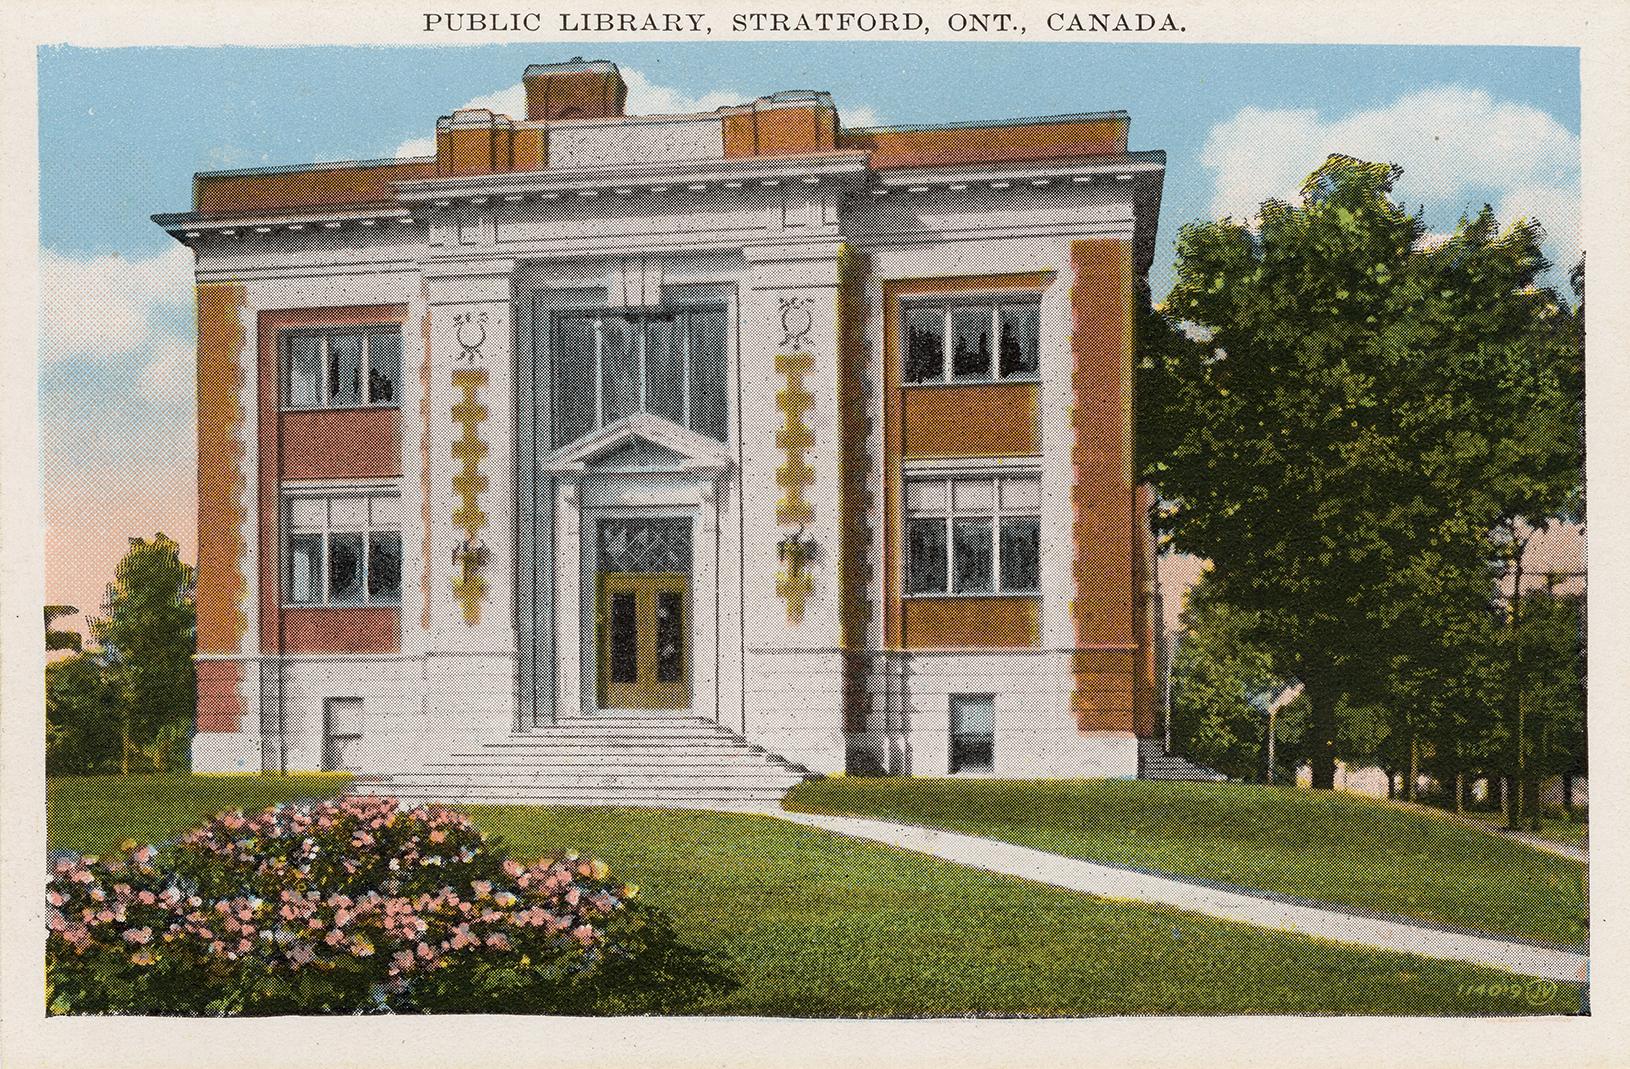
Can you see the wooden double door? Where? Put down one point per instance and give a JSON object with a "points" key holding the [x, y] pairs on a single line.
{"points": [[643, 637]]}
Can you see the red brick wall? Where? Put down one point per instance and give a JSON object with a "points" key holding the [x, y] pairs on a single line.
{"points": [[342, 444], [220, 705], [356, 629], [1102, 496]]}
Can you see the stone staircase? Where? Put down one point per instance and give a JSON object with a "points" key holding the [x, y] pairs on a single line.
{"points": [[634, 758], [1155, 763]]}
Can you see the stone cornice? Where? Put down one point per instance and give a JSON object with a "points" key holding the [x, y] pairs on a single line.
{"points": [[187, 227], [694, 175], [1087, 168]]}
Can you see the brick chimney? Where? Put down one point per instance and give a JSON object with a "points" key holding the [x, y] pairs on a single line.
{"points": [[576, 89]]}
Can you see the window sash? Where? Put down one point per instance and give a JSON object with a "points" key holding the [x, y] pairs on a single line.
{"points": [[355, 527], [942, 527], [374, 368], [671, 363], [973, 732], [996, 321]]}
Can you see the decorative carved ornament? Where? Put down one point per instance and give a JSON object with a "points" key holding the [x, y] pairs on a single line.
{"points": [[794, 475], [469, 586]]}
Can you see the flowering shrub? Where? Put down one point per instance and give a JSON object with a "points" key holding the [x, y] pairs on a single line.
{"points": [[351, 906]]}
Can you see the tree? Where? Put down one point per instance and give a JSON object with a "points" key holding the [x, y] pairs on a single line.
{"points": [[1335, 412], [1545, 694], [147, 638], [80, 717], [1222, 684], [61, 640]]}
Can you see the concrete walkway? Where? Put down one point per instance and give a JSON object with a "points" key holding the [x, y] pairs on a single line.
{"points": [[1111, 882], [1573, 851]]}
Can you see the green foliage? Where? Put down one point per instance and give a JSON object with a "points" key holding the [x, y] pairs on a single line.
{"points": [[1222, 683], [147, 640], [81, 718], [350, 906], [1544, 646], [1346, 415], [61, 640]]}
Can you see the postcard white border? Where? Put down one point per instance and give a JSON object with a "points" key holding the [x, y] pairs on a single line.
{"points": [[1599, 29]]}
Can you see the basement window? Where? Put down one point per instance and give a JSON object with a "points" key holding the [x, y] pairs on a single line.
{"points": [[973, 732]]}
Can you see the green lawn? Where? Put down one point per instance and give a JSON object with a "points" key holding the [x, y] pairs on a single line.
{"points": [[94, 814], [1316, 844], [1564, 831], [1556, 829], [820, 925]]}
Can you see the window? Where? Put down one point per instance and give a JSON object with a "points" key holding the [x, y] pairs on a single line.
{"points": [[344, 549], [972, 341], [611, 365], [342, 729], [973, 732], [973, 536], [342, 368]]}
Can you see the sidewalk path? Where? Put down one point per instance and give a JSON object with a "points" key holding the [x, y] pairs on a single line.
{"points": [[1574, 851], [1107, 881]]}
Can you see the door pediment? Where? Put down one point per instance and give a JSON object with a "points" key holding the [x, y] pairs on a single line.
{"points": [[641, 443]]}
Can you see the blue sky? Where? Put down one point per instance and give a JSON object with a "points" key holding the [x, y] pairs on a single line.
{"points": [[122, 131]]}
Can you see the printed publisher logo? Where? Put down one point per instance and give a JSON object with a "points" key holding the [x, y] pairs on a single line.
{"points": [[1536, 992]]}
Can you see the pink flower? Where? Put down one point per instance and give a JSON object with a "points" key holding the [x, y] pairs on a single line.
{"points": [[54, 898]]}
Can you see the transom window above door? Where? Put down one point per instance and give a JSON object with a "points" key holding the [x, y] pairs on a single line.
{"points": [[668, 363]]}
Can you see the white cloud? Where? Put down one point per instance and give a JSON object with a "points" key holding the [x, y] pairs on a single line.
{"points": [[419, 146], [1454, 144], [109, 307], [645, 97], [860, 115], [169, 370]]}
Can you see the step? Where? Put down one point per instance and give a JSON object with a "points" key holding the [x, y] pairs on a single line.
{"points": [[752, 776], [669, 741], [499, 795], [631, 731], [567, 759], [624, 718]]}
